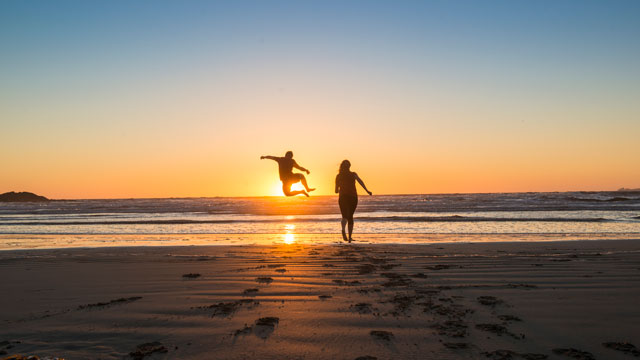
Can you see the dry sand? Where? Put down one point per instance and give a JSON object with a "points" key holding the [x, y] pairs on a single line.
{"points": [[562, 300]]}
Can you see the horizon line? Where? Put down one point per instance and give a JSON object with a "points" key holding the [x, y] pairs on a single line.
{"points": [[334, 195]]}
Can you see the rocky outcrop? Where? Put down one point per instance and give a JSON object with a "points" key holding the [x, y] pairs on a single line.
{"points": [[21, 197]]}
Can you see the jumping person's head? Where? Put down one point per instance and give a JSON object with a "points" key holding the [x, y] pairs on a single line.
{"points": [[289, 155], [345, 165]]}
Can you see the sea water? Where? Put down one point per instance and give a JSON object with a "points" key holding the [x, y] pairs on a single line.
{"points": [[574, 215]]}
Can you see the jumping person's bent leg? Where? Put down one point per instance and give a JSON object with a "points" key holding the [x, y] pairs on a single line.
{"points": [[299, 177], [304, 183], [286, 189], [297, 192]]}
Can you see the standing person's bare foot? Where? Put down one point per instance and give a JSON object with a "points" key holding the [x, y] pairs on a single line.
{"points": [[305, 194], [310, 190], [344, 236]]}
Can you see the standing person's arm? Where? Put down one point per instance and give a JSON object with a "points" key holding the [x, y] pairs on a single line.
{"points": [[295, 165], [362, 184], [274, 158], [337, 186]]}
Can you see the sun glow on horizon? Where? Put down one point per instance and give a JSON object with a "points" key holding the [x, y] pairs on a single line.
{"points": [[276, 189]]}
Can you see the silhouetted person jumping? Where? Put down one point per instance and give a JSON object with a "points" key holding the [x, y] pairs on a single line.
{"points": [[288, 178], [348, 198]]}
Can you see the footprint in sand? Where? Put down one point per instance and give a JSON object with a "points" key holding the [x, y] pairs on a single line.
{"points": [[250, 292], [265, 326], [366, 269], [264, 280], [346, 283], [381, 335], [451, 328], [438, 267], [509, 355], [498, 330], [227, 309], [574, 353], [624, 347], [508, 318], [489, 300], [361, 308], [191, 275], [147, 349]]}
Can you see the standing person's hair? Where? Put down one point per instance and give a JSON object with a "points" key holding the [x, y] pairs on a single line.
{"points": [[345, 165]]}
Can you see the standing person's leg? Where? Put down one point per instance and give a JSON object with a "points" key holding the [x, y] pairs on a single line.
{"points": [[344, 210], [350, 228], [344, 234], [353, 203]]}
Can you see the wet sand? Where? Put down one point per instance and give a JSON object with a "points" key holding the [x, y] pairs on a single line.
{"points": [[555, 300]]}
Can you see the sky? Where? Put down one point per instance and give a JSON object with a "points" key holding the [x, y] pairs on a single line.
{"points": [[120, 99]]}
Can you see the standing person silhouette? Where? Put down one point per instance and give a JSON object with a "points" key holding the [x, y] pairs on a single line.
{"points": [[348, 198], [288, 178]]}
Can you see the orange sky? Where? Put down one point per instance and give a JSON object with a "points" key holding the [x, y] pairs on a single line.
{"points": [[117, 103], [154, 149]]}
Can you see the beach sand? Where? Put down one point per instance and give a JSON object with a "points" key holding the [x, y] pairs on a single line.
{"points": [[562, 300]]}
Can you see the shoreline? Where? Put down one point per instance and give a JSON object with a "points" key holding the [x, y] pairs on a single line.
{"points": [[579, 242], [9, 242], [441, 300]]}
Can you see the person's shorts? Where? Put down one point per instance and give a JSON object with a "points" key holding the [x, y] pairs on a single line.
{"points": [[292, 179]]}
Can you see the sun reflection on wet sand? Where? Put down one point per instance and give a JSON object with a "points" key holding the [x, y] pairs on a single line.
{"points": [[56, 241], [289, 236]]}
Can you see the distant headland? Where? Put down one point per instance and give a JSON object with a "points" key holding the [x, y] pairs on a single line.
{"points": [[626, 189], [21, 197]]}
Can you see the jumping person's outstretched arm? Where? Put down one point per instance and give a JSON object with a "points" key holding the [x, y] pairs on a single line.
{"points": [[362, 184], [274, 158], [295, 165]]}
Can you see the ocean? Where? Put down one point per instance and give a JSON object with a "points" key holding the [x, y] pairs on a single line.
{"points": [[413, 218]]}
